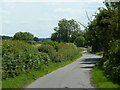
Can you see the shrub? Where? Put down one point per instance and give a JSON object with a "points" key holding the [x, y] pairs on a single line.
{"points": [[31, 42], [19, 57], [89, 49], [52, 43], [67, 51], [80, 41], [112, 65], [49, 50]]}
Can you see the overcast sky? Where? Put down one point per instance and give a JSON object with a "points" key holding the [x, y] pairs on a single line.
{"points": [[40, 16]]}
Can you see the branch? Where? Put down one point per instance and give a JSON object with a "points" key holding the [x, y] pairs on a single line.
{"points": [[83, 25], [88, 16]]}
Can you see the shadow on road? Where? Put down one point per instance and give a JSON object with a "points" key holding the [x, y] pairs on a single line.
{"points": [[90, 60], [87, 67], [88, 63]]}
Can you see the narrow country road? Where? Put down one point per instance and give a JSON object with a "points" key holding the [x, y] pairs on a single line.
{"points": [[74, 75]]}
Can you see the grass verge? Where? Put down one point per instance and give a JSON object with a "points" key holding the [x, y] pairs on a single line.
{"points": [[98, 53], [26, 78], [99, 80]]}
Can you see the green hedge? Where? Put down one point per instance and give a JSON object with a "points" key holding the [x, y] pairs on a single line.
{"points": [[65, 51], [50, 50], [110, 63], [19, 57], [52, 43]]}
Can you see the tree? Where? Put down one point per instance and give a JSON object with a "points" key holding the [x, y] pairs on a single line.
{"points": [[36, 39], [64, 31], [23, 36], [80, 41], [102, 29]]}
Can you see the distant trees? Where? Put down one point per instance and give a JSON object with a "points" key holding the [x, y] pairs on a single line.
{"points": [[23, 36], [5, 38], [63, 32], [68, 31]]}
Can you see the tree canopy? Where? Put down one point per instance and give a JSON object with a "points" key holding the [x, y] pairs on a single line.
{"points": [[23, 36], [64, 31]]}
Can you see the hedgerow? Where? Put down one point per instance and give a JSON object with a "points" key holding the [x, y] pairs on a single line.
{"points": [[52, 43], [19, 57], [66, 51], [50, 50], [111, 62]]}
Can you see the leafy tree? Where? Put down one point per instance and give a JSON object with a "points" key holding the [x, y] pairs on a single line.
{"points": [[80, 41], [102, 29], [36, 39], [23, 36], [64, 31]]}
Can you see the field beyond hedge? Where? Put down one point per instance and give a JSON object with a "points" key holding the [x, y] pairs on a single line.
{"points": [[23, 63]]}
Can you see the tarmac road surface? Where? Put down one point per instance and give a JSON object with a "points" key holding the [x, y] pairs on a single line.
{"points": [[74, 75]]}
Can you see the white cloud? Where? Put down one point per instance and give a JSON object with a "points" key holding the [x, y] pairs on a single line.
{"points": [[52, 0]]}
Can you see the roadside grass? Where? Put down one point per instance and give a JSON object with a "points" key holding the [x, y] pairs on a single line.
{"points": [[100, 81], [89, 50], [26, 78], [98, 53]]}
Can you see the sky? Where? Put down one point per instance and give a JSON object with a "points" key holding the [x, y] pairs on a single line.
{"points": [[39, 17]]}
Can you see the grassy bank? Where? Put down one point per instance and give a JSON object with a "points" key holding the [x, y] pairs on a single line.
{"points": [[100, 81], [26, 78]]}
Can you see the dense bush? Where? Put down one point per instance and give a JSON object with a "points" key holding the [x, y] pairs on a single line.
{"points": [[52, 43], [66, 51], [50, 50], [19, 57], [80, 41], [112, 64]]}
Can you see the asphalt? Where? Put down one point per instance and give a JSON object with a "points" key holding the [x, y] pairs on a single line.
{"points": [[74, 75]]}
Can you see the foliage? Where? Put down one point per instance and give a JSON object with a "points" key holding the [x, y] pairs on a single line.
{"points": [[64, 31], [112, 65], [36, 39], [23, 36], [103, 34], [5, 37], [66, 51], [31, 42], [100, 81], [19, 57], [52, 43], [26, 78], [80, 41], [102, 29], [50, 50], [89, 49]]}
